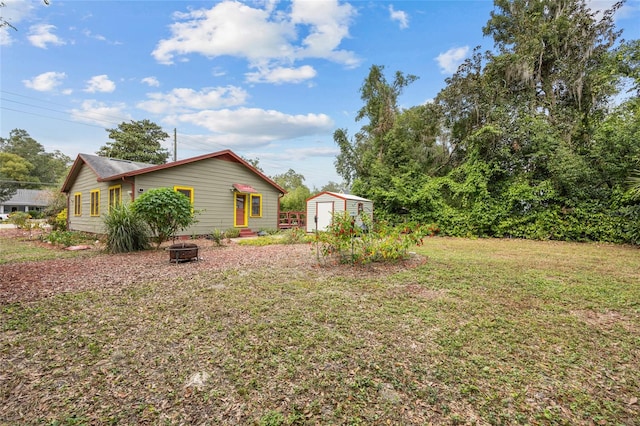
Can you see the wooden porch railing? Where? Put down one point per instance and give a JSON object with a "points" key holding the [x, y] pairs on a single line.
{"points": [[292, 220]]}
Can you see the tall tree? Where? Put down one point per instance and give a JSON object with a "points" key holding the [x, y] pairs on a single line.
{"points": [[558, 51], [297, 191], [13, 170], [136, 141], [380, 110], [48, 168]]}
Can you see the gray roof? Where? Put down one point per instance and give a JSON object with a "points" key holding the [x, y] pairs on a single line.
{"points": [[105, 167], [29, 197]]}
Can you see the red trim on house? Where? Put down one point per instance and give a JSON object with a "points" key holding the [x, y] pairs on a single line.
{"points": [[241, 187], [226, 155]]}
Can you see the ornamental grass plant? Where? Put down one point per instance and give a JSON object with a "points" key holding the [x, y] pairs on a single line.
{"points": [[126, 230]]}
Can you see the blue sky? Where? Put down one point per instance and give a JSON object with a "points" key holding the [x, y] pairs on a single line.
{"points": [[267, 79]]}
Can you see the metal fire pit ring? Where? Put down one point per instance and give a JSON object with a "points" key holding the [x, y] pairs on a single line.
{"points": [[183, 252]]}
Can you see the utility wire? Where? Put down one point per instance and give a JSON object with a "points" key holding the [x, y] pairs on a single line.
{"points": [[52, 118], [111, 118]]}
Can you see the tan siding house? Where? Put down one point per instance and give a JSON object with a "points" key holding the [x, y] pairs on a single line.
{"points": [[225, 190]]}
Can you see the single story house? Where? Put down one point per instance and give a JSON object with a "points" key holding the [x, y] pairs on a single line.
{"points": [[25, 200], [226, 191], [321, 208]]}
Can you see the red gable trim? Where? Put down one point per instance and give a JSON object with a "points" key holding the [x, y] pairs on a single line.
{"points": [[241, 187], [227, 155]]}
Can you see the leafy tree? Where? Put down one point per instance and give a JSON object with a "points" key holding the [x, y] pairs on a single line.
{"points": [[48, 168], [165, 211], [136, 141], [254, 162], [381, 111], [332, 186], [522, 140], [297, 192], [13, 170]]}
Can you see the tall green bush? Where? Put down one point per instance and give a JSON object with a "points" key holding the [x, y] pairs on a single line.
{"points": [[165, 211], [126, 230]]}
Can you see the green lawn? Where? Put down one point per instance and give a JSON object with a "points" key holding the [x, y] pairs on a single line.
{"points": [[485, 332]]}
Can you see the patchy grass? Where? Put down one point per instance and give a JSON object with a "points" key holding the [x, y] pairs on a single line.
{"points": [[485, 332], [14, 249]]}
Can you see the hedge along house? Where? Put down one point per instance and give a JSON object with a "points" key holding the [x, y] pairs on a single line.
{"points": [[322, 207], [226, 191]]}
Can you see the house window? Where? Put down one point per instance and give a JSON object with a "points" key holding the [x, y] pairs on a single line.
{"points": [[360, 208], [256, 205], [188, 192], [77, 204], [95, 202], [115, 196]]}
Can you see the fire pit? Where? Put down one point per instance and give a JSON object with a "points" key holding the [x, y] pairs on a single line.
{"points": [[183, 252]]}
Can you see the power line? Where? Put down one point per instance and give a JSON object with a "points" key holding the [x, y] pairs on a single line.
{"points": [[50, 117], [67, 107]]}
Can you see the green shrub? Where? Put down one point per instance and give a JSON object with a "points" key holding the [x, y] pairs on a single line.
{"points": [[232, 233], [269, 231], [348, 243], [20, 219], [126, 231], [36, 214], [217, 236], [294, 236], [165, 211], [59, 222], [65, 238]]}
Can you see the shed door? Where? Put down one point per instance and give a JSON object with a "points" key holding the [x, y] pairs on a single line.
{"points": [[324, 212]]}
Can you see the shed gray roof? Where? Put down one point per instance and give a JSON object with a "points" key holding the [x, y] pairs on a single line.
{"points": [[29, 197]]}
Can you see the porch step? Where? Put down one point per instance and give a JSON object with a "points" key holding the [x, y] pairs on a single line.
{"points": [[245, 232]]}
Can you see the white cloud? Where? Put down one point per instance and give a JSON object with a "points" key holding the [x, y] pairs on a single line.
{"points": [[282, 75], [451, 59], [45, 82], [100, 83], [267, 38], [13, 12], [42, 34], [253, 126], [151, 81], [400, 16], [328, 23], [626, 11], [300, 154], [94, 112], [100, 37], [224, 30], [182, 99]]}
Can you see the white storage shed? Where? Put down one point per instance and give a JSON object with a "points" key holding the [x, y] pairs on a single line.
{"points": [[321, 207]]}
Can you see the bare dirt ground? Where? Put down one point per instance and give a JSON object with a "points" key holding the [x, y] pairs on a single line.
{"points": [[28, 281]]}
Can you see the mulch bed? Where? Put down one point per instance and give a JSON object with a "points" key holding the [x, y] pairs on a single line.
{"points": [[29, 281]]}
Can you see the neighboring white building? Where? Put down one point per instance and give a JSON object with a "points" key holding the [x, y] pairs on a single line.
{"points": [[26, 199], [321, 207]]}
